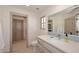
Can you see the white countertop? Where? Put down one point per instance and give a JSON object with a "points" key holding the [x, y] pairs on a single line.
{"points": [[70, 46]]}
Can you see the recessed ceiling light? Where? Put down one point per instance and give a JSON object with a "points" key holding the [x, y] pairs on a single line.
{"points": [[28, 5], [37, 8]]}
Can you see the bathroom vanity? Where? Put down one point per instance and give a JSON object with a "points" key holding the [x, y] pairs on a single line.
{"points": [[49, 44], [65, 24]]}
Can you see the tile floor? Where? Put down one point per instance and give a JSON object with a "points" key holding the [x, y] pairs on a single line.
{"points": [[20, 47]]}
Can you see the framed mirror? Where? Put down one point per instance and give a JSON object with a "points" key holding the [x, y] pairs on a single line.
{"points": [[66, 21]]}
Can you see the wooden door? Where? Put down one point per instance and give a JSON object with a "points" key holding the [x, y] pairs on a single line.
{"points": [[18, 30], [70, 25]]}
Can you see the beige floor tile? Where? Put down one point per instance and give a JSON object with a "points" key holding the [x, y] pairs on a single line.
{"points": [[20, 47]]}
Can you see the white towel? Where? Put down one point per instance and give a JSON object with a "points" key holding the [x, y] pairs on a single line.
{"points": [[1, 39]]}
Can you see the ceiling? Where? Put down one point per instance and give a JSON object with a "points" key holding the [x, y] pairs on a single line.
{"points": [[38, 8], [34, 8]]}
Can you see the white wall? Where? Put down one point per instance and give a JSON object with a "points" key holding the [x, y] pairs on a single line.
{"points": [[50, 11], [5, 12]]}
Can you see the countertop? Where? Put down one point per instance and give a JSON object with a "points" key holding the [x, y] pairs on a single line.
{"points": [[66, 46]]}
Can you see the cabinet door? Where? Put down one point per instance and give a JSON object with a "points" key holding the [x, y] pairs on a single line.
{"points": [[49, 48], [40, 48]]}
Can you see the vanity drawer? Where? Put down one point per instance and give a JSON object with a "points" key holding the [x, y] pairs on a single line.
{"points": [[49, 47], [42, 49]]}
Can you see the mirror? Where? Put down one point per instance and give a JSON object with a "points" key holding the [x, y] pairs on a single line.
{"points": [[66, 21], [77, 24]]}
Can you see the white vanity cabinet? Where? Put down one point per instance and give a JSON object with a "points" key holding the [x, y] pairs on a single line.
{"points": [[45, 47], [54, 45]]}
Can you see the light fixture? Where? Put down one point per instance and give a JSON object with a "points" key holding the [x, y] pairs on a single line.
{"points": [[37, 8], [27, 5]]}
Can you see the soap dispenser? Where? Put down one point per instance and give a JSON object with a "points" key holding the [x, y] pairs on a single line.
{"points": [[66, 37]]}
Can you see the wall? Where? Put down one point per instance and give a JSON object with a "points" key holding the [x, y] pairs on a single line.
{"points": [[53, 10], [6, 24]]}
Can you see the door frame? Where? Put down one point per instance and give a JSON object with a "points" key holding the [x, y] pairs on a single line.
{"points": [[11, 24]]}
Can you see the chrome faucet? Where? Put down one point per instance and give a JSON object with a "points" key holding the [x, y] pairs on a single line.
{"points": [[59, 36]]}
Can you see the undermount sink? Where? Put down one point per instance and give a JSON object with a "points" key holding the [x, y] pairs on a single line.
{"points": [[51, 37], [64, 40]]}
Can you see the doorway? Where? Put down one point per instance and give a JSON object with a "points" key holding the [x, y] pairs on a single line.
{"points": [[18, 30], [19, 33]]}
